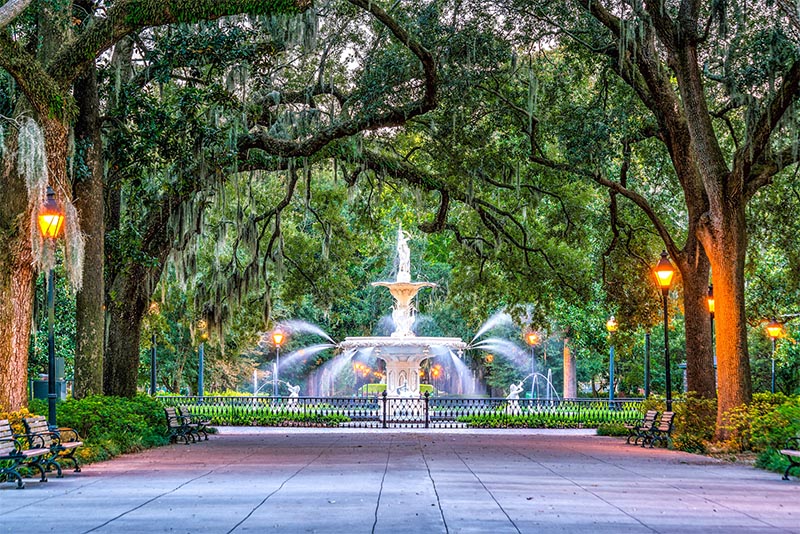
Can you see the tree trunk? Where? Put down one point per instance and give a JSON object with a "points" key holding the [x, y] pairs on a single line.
{"points": [[16, 306], [126, 310], [88, 193], [726, 244], [700, 375]]}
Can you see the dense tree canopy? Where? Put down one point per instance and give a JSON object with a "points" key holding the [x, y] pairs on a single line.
{"points": [[244, 163]]}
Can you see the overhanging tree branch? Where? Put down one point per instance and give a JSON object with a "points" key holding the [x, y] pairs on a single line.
{"points": [[759, 137], [11, 10]]}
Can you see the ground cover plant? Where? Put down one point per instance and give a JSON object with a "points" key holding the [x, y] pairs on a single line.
{"points": [[108, 426]]}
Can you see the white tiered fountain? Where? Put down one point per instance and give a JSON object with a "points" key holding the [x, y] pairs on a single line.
{"points": [[403, 351]]}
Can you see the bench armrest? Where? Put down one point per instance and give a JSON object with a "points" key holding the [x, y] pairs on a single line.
{"points": [[67, 435], [17, 443], [793, 443]]}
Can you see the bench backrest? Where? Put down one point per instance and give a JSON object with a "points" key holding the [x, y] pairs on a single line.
{"points": [[6, 438], [38, 425], [665, 423], [649, 420], [173, 419]]}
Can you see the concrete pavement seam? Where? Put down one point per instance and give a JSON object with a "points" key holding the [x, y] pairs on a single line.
{"points": [[587, 490], [148, 501], [433, 483], [487, 490], [383, 479], [265, 499], [681, 490]]}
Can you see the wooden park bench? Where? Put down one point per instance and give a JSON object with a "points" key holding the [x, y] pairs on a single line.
{"points": [[197, 425], [177, 427], [661, 430], [792, 454], [14, 455], [639, 429], [62, 442]]}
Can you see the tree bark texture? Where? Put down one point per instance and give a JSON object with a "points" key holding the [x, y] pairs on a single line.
{"points": [[88, 193], [727, 254], [125, 312], [16, 285]]}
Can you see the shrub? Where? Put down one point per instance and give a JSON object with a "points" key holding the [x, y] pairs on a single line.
{"points": [[110, 426]]}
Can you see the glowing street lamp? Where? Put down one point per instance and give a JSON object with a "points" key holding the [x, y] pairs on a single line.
{"points": [[612, 327], [278, 337], [664, 273], [775, 330], [51, 219], [532, 339], [436, 371]]}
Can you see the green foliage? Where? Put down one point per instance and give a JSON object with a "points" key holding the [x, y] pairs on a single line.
{"points": [[317, 415], [695, 420], [110, 426], [613, 428], [566, 415], [695, 423], [764, 426]]}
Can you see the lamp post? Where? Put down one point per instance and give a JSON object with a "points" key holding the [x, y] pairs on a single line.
{"points": [[647, 365], [611, 326], [51, 219], [153, 365], [664, 273], [277, 337], [532, 338], [710, 301], [201, 351], [775, 330]]}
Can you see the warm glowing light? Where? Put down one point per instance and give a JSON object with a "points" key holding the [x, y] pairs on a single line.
{"points": [[664, 271], [710, 299], [611, 325], [489, 358], [532, 338], [278, 337], [774, 329], [436, 371], [51, 216]]}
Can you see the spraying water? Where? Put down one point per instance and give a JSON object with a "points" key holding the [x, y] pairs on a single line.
{"points": [[305, 352], [499, 318], [297, 326], [504, 347]]}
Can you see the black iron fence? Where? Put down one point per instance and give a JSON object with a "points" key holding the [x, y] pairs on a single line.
{"points": [[410, 412]]}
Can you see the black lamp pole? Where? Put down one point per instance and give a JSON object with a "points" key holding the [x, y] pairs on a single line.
{"points": [[646, 365], [153, 366], [664, 273], [667, 373], [50, 219], [51, 350], [772, 387]]}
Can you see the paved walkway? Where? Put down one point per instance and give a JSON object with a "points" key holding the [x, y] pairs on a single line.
{"points": [[396, 482]]}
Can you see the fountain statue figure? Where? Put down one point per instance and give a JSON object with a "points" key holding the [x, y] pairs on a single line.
{"points": [[512, 408], [403, 351], [404, 257]]}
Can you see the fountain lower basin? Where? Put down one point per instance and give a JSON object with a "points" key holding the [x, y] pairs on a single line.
{"points": [[403, 356]]}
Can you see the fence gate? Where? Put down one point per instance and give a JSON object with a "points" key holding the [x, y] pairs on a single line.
{"points": [[405, 412]]}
